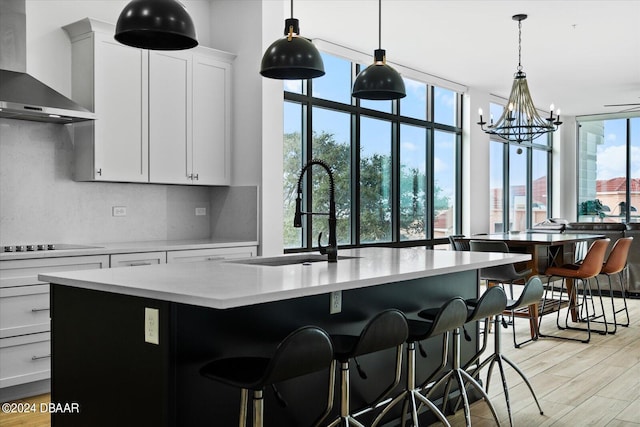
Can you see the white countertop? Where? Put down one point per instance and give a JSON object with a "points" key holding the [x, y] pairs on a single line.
{"points": [[130, 247], [230, 284]]}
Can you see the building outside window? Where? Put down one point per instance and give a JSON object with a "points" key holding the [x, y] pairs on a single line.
{"points": [[396, 163], [609, 170], [519, 179]]}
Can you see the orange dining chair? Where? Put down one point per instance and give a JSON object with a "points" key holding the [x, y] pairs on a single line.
{"points": [[616, 264], [578, 273]]}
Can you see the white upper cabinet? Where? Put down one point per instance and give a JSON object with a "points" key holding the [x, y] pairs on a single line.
{"points": [[109, 79], [169, 117], [163, 116], [189, 116], [211, 120]]}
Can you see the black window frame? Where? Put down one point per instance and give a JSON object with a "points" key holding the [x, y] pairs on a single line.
{"points": [[356, 111]]}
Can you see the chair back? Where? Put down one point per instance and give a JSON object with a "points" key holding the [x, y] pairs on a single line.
{"points": [[387, 329], [499, 273], [594, 259], [459, 243], [307, 349], [451, 315], [492, 302], [617, 259], [531, 293]]}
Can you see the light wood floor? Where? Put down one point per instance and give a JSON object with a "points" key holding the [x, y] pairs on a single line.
{"points": [[595, 384]]}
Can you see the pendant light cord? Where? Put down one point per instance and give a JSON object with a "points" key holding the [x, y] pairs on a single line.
{"points": [[291, 8], [379, 24]]}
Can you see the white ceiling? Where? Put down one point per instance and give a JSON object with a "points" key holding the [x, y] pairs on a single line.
{"points": [[578, 55]]}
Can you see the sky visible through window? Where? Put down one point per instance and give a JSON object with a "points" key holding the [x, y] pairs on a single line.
{"points": [[612, 153]]}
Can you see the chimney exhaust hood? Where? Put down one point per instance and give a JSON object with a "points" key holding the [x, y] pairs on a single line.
{"points": [[22, 96]]}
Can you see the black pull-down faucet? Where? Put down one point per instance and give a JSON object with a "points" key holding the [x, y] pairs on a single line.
{"points": [[330, 250]]}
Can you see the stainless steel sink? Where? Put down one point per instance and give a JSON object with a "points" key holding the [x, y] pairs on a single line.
{"points": [[287, 260]]}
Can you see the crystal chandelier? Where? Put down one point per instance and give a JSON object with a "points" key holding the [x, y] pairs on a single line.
{"points": [[520, 120]]}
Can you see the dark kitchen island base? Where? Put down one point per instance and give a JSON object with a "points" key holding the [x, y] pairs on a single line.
{"points": [[102, 362]]}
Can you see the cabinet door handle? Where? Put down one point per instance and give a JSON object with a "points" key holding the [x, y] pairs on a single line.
{"points": [[99, 172], [35, 310], [134, 264], [215, 258], [195, 177], [40, 357]]}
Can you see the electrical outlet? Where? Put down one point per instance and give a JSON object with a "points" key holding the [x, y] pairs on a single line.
{"points": [[151, 327], [336, 302], [119, 211], [201, 211]]}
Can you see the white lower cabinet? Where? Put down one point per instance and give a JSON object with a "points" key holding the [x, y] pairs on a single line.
{"points": [[135, 259], [218, 254], [25, 347], [24, 359]]}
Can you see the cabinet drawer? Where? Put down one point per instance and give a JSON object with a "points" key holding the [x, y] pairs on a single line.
{"points": [[21, 272], [218, 254], [24, 310], [144, 258], [25, 359]]}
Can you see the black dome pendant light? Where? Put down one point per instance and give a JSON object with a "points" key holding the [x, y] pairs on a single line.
{"points": [[292, 57], [156, 25], [379, 81]]}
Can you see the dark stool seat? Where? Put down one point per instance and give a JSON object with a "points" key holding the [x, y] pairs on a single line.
{"points": [[492, 302], [304, 351], [388, 329]]}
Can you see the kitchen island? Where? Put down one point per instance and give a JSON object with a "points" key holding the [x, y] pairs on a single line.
{"points": [[123, 367]]}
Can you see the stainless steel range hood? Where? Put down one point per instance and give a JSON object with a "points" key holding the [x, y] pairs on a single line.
{"points": [[22, 96]]}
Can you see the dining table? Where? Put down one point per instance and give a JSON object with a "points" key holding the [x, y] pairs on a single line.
{"points": [[546, 249]]}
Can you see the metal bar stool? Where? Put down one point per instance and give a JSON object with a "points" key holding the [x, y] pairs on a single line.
{"points": [[450, 314], [495, 300], [492, 303], [304, 351], [616, 264], [388, 329], [531, 294], [589, 268]]}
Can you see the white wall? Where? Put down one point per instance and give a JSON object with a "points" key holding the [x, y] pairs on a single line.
{"points": [[565, 174], [246, 28], [475, 166]]}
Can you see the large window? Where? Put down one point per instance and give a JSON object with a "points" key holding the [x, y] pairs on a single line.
{"points": [[396, 163], [609, 170], [520, 188]]}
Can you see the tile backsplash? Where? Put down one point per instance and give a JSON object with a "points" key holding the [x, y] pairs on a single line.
{"points": [[40, 202]]}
